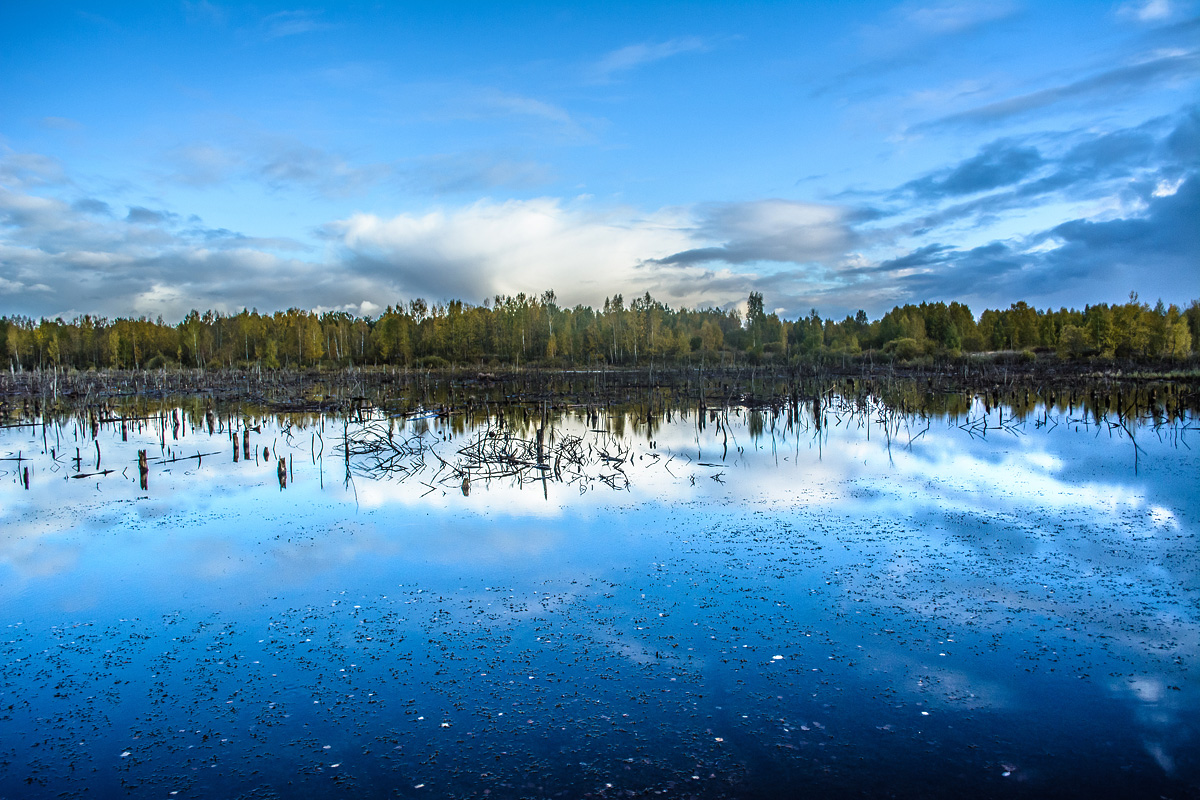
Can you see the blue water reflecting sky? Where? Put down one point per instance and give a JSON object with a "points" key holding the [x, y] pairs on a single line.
{"points": [[917, 608]]}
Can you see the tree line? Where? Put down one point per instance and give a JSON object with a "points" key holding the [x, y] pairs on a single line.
{"points": [[528, 329]]}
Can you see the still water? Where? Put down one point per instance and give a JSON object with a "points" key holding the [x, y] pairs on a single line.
{"points": [[710, 604]]}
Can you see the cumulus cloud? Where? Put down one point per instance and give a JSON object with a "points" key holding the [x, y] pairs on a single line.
{"points": [[59, 258], [489, 248]]}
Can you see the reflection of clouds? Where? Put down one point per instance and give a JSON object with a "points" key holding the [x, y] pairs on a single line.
{"points": [[1011, 535], [1161, 713], [31, 545], [923, 679], [1164, 518]]}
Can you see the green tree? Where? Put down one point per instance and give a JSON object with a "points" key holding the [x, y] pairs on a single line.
{"points": [[1072, 342]]}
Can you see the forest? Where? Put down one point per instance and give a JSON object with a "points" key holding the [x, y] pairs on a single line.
{"points": [[523, 329]]}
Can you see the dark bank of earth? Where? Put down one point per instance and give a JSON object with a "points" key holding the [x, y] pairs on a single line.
{"points": [[1006, 379]]}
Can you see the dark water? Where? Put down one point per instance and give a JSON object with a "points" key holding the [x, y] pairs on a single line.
{"points": [[725, 606]]}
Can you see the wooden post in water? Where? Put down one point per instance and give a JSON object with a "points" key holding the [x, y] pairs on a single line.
{"points": [[282, 472], [143, 470], [246, 443]]}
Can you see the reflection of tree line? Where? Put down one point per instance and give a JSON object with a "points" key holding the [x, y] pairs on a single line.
{"points": [[641, 397], [525, 330], [573, 430]]}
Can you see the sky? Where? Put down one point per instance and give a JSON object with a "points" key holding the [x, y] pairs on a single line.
{"points": [[162, 156]]}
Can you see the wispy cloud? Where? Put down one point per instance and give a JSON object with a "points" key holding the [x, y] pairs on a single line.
{"points": [[1146, 10], [914, 33], [202, 164], [467, 172], [148, 216], [491, 104], [295, 165], [203, 11], [768, 230], [28, 169], [281, 163], [60, 124], [1000, 163], [954, 16], [505, 103], [292, 23], [630, 57], [1101, 86]]}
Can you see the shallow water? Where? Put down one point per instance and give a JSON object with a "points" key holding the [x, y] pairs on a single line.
{"points": [[727, 605]]}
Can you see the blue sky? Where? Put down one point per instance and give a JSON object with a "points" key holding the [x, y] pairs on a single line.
{"points": [[157, 157]]}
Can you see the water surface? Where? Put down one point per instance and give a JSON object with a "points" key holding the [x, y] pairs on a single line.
{"points": [[729, 603]]}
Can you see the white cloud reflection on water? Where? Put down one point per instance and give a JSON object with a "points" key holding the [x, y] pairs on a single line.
{"points": [[951, 532]]}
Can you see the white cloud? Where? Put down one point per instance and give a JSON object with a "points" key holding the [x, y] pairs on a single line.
{"points": [[329, 174], [10, 287], [488, 104], [914, 24], [291, 23], [776, 230], [61, 124], [635, 55], [204, 12], [28, 169], [955, 16], [1146, 10], [280, 162], [464, 172], [203, 164], [488, 248]]}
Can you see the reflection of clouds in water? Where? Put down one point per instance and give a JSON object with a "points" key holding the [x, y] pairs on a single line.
{"points": [[1006, 537], [1164, 518], [922, 678], [1160, 712], [31, 542]]}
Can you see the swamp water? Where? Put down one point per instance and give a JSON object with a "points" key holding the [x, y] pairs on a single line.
{"points": [[714, 604]]}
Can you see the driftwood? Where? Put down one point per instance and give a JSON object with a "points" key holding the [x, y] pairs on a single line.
{"points": [[378, 448]]}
